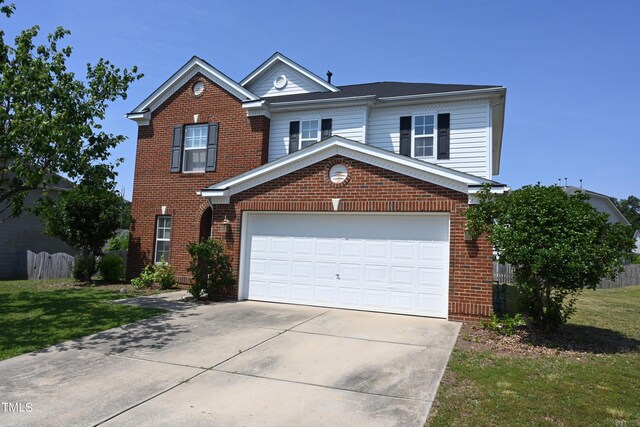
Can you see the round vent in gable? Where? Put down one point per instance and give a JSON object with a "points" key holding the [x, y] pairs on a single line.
{"points": [[198, 88], [338, 173], [280, 82]]}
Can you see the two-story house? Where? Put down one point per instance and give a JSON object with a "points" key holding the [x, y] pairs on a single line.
{"points": [[340, 196]]}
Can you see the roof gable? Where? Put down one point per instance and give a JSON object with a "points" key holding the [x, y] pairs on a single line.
{"points": [[297, 79], [220, 193], [601, 203], [179, 78]]}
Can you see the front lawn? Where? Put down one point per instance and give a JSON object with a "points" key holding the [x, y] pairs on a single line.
{"points": [[36, 314], [587, 375]]}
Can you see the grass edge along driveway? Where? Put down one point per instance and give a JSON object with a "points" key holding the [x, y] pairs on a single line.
{"points": [[39, 313], [588, 375]]}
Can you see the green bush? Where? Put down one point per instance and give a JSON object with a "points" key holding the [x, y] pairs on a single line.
{"points": [[146, 278], [165, 275], [210, 267], [504, 324], [84, 265], [111, 267], [118, 243]]}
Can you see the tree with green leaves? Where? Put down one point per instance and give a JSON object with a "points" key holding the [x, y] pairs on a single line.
{"points": [[85, 218], [630, 208], [49, 119], [557, 243]]}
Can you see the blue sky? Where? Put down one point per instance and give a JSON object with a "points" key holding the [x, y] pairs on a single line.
{"points": [[571, 68]]}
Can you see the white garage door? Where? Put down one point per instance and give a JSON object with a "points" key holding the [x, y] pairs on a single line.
{"points": [[389, 263]]}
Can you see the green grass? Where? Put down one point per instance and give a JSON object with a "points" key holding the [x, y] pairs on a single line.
{"points": [[596, 388], [37, 314]]}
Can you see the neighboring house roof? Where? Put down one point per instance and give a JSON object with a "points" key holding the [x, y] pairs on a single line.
{"points": [[220, 192], [601, 203], [179, 78], [280, 58], [381, 90]]}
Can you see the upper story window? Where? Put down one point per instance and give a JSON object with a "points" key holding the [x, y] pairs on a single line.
{"points": [[195, 148], [163, 238], [426, 136], [423, 135], [309, 132]]}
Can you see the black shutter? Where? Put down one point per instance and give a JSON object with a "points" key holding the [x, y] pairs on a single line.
{"points": [[443, 136], [294, 136], [212, 148], [405, 136], [326, 128], [176, 149]]}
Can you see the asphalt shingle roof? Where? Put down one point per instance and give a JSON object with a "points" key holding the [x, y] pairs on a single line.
{"points": [[380, 90]]}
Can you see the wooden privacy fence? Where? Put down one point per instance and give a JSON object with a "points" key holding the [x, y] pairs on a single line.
{"points": [[44, 265], [503, 273]]}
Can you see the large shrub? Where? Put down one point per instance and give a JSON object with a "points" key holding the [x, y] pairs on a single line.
{"points": [[557, 243], [210, 268], [111, 268]]}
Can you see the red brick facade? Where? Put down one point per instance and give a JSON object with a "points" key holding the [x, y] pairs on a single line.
{"points": [[243, 145]]}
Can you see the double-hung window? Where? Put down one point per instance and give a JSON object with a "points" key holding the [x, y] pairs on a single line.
{"points": [[195, 148], [309, 132], [163, 238], [423, 136]]}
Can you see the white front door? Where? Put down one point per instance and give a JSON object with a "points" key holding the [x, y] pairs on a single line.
{"points": [[396, 263]]}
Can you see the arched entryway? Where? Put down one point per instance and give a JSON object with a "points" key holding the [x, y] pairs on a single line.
{"points": [[205, 224]]}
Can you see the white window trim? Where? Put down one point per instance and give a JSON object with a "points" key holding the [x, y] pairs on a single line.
{"points": [[318, 133], [158, 239], [413, 135], [185, 148]]}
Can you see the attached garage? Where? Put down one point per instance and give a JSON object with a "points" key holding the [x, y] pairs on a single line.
{"points": [[396, 263]]}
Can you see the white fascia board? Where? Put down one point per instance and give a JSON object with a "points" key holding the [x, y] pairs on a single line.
{"points": [[257, 108], [430, 96], [143, 119], [281, 58], [449, 178], [321, 103], [207, 70]]}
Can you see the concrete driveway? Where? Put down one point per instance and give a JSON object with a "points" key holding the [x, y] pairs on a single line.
{"points": [[245, 363]]}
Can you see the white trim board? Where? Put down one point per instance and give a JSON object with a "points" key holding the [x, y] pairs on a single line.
{"points": [[221, 192]]}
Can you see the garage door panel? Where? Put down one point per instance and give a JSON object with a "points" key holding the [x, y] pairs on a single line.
{"points": [[279, 268], [324, 294], [374, 274], [326, 247], [326, 270], [351, 248], [302, 270], [302, 293], [390, 263], [350, 272], [402, 275], [431, 252], [431, 277], [303, 247], [376, 250], [258, 266], [403, 251], [280, 245], [374, 299], [349, 297], [402, 301]]}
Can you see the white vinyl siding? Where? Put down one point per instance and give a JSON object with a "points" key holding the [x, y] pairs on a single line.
{"points": [[346, 122], [470, 133], [296, 83]]}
